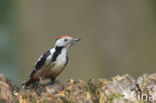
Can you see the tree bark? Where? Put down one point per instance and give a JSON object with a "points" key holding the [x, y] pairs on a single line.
{"points": [[118, 89]]}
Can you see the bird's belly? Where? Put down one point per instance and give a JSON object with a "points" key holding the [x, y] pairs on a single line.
{"points": [[56, 70], [52, 70], [45, 73]]}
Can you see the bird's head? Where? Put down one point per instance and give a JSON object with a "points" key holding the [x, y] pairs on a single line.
{"points": [[65, 41]]}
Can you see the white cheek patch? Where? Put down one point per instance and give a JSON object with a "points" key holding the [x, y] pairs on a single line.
{"points": [[62, 42], [59, 42]]}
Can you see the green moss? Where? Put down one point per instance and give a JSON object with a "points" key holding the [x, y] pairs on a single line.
{"points": [[43, 101], [68, 92], [69, 100], [88, 94], [113, 96], [144, 83]]}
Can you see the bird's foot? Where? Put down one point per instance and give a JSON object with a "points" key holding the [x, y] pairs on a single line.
{"points": [[50, 83]]}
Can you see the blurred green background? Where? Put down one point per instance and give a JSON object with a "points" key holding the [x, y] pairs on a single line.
{"points": [[118, 36]]}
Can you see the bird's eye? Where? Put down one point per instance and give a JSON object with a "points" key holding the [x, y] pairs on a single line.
{"points": [[65, 39]]}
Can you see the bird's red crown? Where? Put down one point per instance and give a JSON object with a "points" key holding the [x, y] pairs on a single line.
{"points": [[64, 36]]}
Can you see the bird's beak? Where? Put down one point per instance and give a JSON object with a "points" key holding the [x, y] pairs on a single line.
{"points": [[75, 40]]}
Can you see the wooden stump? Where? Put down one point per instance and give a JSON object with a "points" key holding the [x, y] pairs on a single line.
{"points": [[118, 89]]}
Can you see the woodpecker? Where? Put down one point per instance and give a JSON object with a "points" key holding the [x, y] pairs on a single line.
{"points": [[52, 62]]}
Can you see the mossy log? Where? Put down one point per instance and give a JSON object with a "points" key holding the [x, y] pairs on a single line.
{"points": [[118, 89]]}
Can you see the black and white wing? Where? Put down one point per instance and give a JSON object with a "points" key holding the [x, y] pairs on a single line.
{"points": [[41, 61]]}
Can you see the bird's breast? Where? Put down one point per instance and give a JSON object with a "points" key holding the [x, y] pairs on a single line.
{"points": [[57, 67], [59, 64]]}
